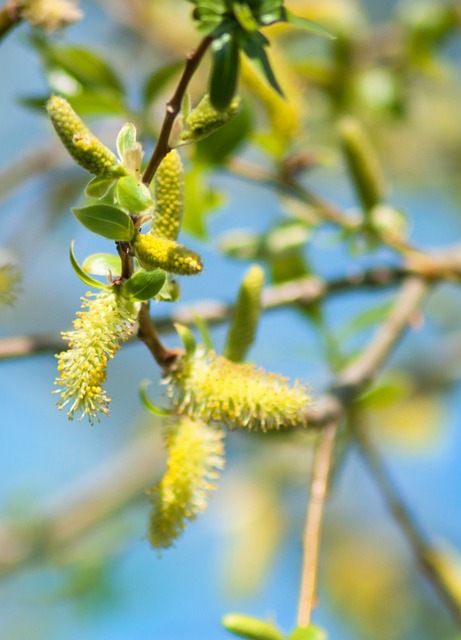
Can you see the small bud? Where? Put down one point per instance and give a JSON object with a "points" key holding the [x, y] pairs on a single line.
{"points": [[50, 15], [84, 147], [195, 457], [154, 252], [205, 119], [362, 163], [169, 197], [251, 628], [246, 314], [210, 387]]}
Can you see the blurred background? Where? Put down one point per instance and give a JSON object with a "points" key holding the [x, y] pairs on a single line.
{"points": [[75, 561]]}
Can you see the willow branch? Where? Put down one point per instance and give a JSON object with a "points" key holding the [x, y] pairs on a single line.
{"points": [[321, 471], [173, 107], [148, 334], [425, 554]]}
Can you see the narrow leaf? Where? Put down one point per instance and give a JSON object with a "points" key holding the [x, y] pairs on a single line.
{"points": [[98, 187], [256, 52], [106, 221], [307, 25], [144, 285], [187, 338], [224, 72], [84, 277], [148, 404]]}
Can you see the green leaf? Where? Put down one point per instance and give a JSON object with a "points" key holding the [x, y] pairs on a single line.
{"points": [[102, 264], [156, 82], [144, 285], [220, 145], [84, 277], [87, 67], [106, 221], [204, 331], [251, 628], [98, 187], [224, 72], [255, 50], [187, 337], [364, 320], [201, 199], [307, 25], [244, 16], [148, 404], [133, 195], [308, 633], [126, 139], [97, 102]]}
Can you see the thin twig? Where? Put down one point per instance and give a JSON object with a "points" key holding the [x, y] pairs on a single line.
{"points": [[313, 530], [148, 335], [423, 551], [173, 108]]}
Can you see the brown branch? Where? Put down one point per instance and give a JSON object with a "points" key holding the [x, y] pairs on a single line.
{"points": [[173, 108], [148, 334], [314, 522], [425, 554], [304, 291]]}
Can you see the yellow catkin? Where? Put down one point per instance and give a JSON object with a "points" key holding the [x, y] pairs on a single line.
{"points": [[205, 119], [84, 147], [98, 332], [246, 314], [169, 197], [195, 457], [210, 387], [155, 252]]}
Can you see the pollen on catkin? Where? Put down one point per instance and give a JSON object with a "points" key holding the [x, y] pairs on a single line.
{"points": [[98, 331], [205, 119], [169, 197], [155, 252], [84, 147], [195, 457], [210, 387]]}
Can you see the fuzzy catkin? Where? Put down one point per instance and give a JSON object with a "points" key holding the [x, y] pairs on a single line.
{"points": [[155, 252], [169, 197], [84, 147], [210, 387], [195, 457], [205, 119]]}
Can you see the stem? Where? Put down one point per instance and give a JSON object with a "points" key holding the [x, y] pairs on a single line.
{"points": [[314, 522], [423, 551], [9, 18], [173, 107], [148, 335]]}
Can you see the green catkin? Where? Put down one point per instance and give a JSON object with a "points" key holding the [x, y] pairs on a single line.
{"points": [[362, 163], [250, 628], [210, 387], [169, 197], [195, 457], [155, 252], [84, 147], [246, 314], [205, 119]]}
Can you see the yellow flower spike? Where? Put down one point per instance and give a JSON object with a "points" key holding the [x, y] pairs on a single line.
{"points": [[155, 252], [195, 457], [169, 196], [205, 119], [98, 331], [84, 147], [210, 387], [50, 15], [246, 314]]}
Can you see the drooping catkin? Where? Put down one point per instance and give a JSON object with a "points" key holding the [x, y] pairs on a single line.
{"points": [[195, 457], [155, 252], [245, 318], [169, 197], [210, 387], [84, 147]]}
